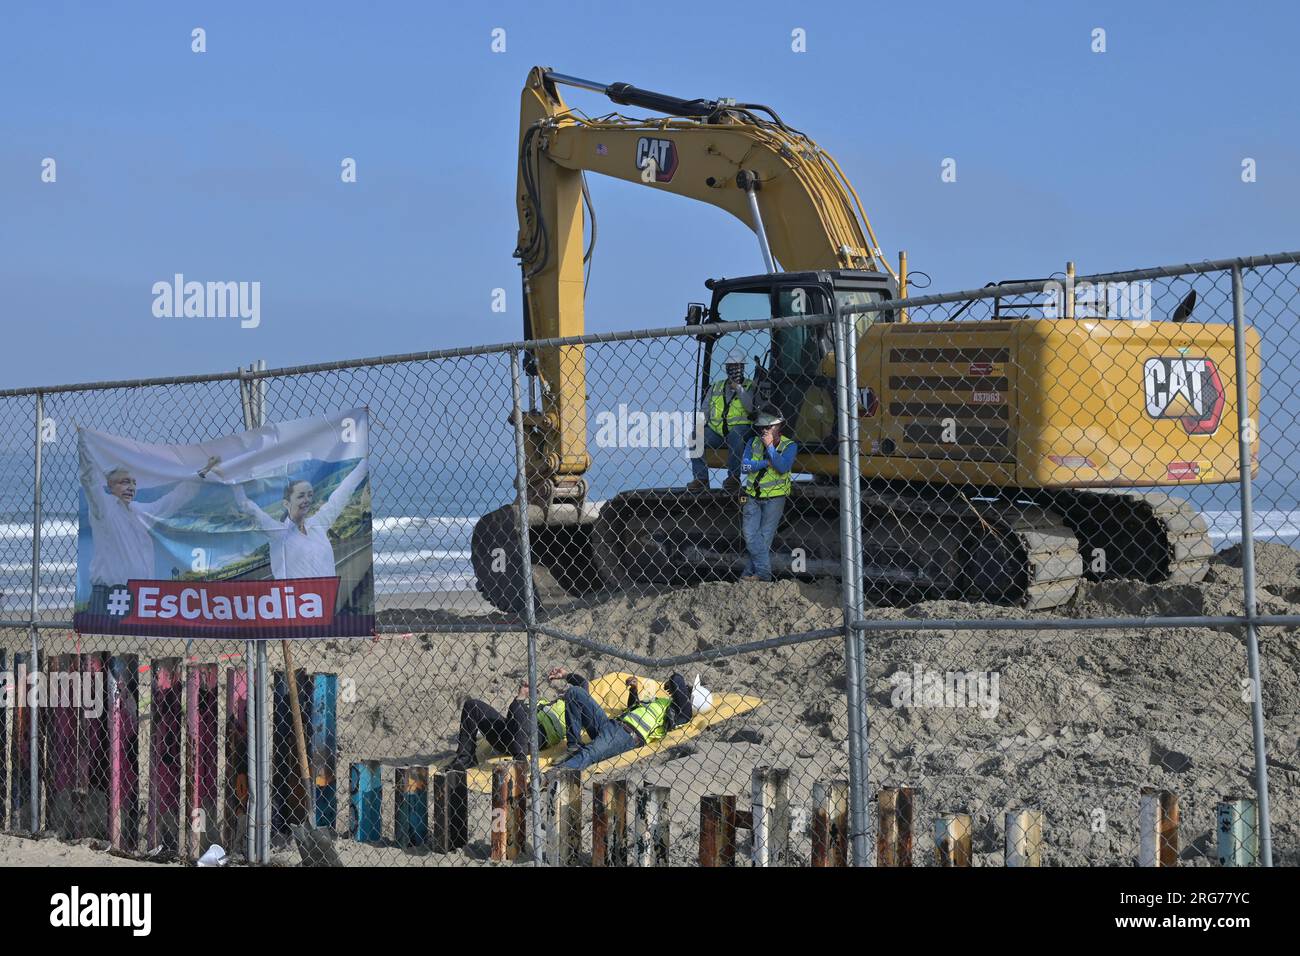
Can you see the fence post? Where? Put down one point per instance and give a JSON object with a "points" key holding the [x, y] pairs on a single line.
{"points": [[1024, 837], [830, 823], [952, 839], [1158, 828], [530, 612], [895, 806], [252, 394], [718, 829], [846, 408], [652, 825], [35, 704], [563, 841], [1245, 439], [770, 835]]}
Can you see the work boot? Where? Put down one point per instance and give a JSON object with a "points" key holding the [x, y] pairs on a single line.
{"points": [[698, 484], [459, 762], [731, 484]]}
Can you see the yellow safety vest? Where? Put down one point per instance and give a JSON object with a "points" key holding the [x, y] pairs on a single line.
{"points": [[767, 482], [648, 719], [550, 717], [735, 411]]}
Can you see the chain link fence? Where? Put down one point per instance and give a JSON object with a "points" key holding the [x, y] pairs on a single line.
{"points": [[1008, 599]]}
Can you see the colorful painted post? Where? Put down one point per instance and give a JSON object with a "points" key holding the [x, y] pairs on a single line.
{"points": [[1158, 828], [201, 697], [718, 829], [952, 839], [449, 811], [323, 749], [234, 805], [165, 722], [288, 798], [123, 700], [4, 748], [1238, 828], [770, 812], [563, 842], [509, 805], [366, 799], [830, 824], [1024, 838], [60, 729], [411, 806], [92, 753], [895, 806], [21, 763], [652, 833], [609, 823]]}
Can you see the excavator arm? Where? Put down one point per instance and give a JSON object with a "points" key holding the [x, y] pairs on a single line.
{"points": [[739, 157]]}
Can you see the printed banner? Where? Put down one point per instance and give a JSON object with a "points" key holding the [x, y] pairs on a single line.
{"points": [[261, 534]]}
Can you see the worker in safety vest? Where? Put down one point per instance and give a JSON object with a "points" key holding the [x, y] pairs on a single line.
{"points": [[642, 722], [766, 467], [509, 734], [729, 406]]}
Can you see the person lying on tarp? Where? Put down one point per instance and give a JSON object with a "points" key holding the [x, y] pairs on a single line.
{"points": [[509, 734], [642, 722]]}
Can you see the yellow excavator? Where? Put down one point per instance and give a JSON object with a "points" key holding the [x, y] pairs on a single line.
{"points": [[995, 453]]}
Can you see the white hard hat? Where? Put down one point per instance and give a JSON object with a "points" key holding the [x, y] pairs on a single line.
{"points": [[735, 357]]}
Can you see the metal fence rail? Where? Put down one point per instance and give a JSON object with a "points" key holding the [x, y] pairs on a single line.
{"points": [[896, 695]]}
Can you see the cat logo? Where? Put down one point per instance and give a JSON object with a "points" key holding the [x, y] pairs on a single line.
{"points": [[1188, 389], [661, 152]]}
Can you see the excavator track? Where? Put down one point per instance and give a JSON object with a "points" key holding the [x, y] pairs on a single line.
{"points": [[1146, 536], [917, 544], [1028, 551]]}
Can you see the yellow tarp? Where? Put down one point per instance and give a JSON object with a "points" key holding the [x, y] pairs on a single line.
{"points": [[610, 692]]}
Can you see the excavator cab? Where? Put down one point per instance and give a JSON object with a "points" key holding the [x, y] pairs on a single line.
{"points": [[792, 367]]}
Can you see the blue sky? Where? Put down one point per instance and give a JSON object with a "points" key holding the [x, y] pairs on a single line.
{"points": [[225, 165]]}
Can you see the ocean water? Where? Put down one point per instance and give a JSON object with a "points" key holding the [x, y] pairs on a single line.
{"points": [[419, 552]]}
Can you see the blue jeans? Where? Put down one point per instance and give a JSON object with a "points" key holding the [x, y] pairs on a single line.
{"points": [[609, 738], [734, 441], [759, 519]]}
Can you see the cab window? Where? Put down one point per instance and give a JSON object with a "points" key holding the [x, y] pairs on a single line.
{"points": [[854, 301]]}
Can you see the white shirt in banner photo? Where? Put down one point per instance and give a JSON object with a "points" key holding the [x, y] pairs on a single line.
{"points": [[300, 544]]}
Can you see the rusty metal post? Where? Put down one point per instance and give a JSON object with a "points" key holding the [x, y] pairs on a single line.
{"points": [[609, 823], [411, 806], [448, 811], [1237, 822], [563, 842], [1158, 828], [830, 823], [234, 811], [770, 843], [123, 673], [952, 839], [1024, 838], [652, 825], [509, 804], [895, 807], [718, 830]]}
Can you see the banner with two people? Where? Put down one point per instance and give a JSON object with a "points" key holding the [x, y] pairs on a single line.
{"points": [[265, 533]]}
